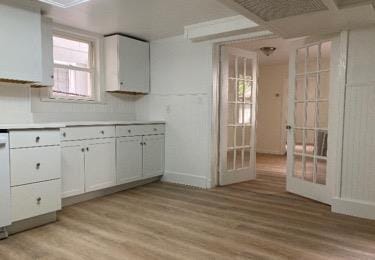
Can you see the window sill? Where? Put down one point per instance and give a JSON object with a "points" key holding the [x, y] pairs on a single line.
{"points": [[75, 101]]}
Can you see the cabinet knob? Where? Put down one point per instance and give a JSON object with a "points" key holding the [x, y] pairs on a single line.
{"points": [[38, 200], [52, 77], [129, 131], [155, 129], [37, 139], [38, 166], [144, 143], [102, 132], [83, 149], [64, 134], [141, 143], [87, 149], [121, 83]]}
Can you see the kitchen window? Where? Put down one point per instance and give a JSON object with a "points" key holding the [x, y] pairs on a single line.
{"points": [[74, 68]]}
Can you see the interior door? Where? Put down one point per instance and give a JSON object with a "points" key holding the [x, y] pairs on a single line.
{"points": [[308, 105], [238, 95]]}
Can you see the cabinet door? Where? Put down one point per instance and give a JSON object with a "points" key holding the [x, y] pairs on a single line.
{"points": [[153, 155], [100, 163], [73, 169], [129, 159], [134, 65]]}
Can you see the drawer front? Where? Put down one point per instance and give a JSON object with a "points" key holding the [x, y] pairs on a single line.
{"points": [[135, 130], [29, 165], [35, 199], [87, 132], [33, 138], [153, 129]]}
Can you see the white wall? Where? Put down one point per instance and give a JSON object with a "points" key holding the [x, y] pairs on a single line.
{"points": [[273, 79], [181, 85], [358, 169]]}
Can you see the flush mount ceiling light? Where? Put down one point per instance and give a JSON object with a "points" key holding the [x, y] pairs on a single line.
{"points": [[268, 50], [64, 3]]}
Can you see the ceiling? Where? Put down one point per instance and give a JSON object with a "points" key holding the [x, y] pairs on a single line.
{"points": [[146, 19], [296, 18], [283, 48]]}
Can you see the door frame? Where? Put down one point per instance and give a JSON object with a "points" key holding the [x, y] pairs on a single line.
{"points": [[337, 112]]}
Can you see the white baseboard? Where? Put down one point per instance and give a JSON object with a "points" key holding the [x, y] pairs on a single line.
{"points": [[356, 208], [185, 179]]}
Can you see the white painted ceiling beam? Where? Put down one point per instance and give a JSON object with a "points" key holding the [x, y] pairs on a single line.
{"points": [[219, 28]]}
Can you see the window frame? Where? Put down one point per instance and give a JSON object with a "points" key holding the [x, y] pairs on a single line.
{"points": [[94, 54]]}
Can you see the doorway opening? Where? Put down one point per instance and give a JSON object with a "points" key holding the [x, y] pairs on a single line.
{"points": [[299, 134]]}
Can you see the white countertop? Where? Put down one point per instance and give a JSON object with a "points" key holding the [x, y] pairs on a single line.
{"points": [[74, 123]]}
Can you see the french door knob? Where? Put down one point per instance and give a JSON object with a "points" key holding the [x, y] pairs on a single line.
{"points": [[39, 200], [38, 166], [288, 127]]}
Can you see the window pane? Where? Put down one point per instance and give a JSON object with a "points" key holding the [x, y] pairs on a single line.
{"points": [[71, 52], [72, 82], [230, 160]]}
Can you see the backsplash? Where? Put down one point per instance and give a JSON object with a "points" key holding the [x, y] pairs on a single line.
{"points": [[21, 104]]}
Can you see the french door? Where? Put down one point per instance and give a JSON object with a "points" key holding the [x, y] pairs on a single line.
{"points": [[308, 109], [237, 115]]}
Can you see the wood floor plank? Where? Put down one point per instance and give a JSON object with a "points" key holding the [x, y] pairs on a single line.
{"points": [[251, 220]]}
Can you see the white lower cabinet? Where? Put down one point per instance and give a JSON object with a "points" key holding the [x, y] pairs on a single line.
{"points": [[73, 168], [88, 165], [106, 158], [153, 155], [100, 163], [129, 159]]}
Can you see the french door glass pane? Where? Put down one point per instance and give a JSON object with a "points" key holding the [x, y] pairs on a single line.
{"points": [[241, 68], [230, 160], [232, 90], [309, 142], [299, 114], [239, 159], [322, 115], [247, 135], [300, 86], [313, 52], [309, 169], [239, 136], [247, 157], [310, 114], [230, 138], [298, 140], [323, 90], [325, 59], [312, 85], [240, 90], [298, 166], [321, 171], [300, 61], [231, 114], [248, 91]]}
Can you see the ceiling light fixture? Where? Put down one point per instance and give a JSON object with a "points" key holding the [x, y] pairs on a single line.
{"points": [[64, 3], [268, 50]]}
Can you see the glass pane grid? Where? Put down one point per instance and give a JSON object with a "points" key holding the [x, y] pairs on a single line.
{"points": [[240, 109], [311, 114]]}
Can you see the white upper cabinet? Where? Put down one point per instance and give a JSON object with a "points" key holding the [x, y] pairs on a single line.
{"points": [[47, 53], [127, 64], [20, 44]]}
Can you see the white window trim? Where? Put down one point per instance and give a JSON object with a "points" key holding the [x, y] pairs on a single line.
{"points": [[47, 94]]}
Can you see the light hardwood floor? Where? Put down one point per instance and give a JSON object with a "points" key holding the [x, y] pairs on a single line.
{"points": [[252, 220]]}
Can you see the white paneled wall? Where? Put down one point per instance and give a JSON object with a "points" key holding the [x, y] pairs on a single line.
{"points": [[358, 168], [181, 84]]}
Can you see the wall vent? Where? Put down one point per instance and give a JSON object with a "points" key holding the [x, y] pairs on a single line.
{"points": [[269, 10]]}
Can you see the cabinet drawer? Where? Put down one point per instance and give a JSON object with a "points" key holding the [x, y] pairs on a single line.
{"points": [[87, 132], [134, 130], [34, 138], [35, 199], [153, 129], [37, 164]]}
